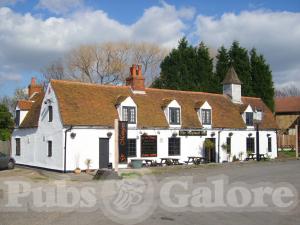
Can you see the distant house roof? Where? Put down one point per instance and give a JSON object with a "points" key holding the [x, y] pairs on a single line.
{"points": [[287, 104], [85, 104], [24, 104], [231, 77], [31, 119]]}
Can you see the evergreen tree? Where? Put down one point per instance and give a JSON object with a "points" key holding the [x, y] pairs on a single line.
{"points": [[241, 63], [186, 68], [204, 77], [6, 123], [177, 68], [262, 79], [222, 66]]}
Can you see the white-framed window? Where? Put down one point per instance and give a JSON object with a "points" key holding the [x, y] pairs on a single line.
{"points": [[129, 114], [50, 113], [174, 116], [206, 116], [249, 118]]}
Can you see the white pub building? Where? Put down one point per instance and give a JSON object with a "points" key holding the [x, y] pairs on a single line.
{"points": [[72, 122]]}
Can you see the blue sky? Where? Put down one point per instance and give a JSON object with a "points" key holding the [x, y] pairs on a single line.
{"points": [[33, 33]]}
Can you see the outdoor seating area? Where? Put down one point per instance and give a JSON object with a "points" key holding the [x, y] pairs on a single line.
{"points": [[252, 156], [168, 161]]}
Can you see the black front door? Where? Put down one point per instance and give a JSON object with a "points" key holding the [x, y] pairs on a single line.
{"points": [[103, 152], [210, 153]]}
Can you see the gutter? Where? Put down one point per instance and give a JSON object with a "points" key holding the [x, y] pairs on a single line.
{"points": [[65, 148]]}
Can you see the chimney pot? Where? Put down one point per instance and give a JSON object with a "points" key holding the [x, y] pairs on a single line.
{"points": [[137, 83]]}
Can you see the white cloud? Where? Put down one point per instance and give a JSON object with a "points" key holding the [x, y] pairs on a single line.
{"points": [[60, 6], [28, 42], [9, 77], [274, 34]]}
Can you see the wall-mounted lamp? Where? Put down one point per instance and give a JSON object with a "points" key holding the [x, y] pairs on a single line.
{"points": [[109, 134], [47, 101], [212, 134], [73, 135], [174, 134], [268, 135], [230, 134], [250, 134], [158, 132]]}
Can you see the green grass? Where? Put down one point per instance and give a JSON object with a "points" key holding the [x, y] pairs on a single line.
{"points": [[130, 175], [286, 154]]}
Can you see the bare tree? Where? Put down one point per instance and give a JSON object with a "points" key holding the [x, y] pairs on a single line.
{"points": [[149, 56], [107, 63], [290, 90], [55, 71], [11, 102]]}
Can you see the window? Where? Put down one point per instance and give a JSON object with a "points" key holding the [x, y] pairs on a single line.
{"points": [[269, 144], [206, 116], [174, 116], [174, 146], [50, 111], [129, 114], [250, 145], [17, 120], [18, 146], [131, 147], [249, 118], [149, 146], [49, 148], [228, 145]]}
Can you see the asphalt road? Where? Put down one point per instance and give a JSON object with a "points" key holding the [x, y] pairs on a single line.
{"points": [[151, 211]]}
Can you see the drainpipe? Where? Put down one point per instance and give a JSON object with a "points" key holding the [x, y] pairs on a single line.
{"points": [[65, 148], [219, 132]]}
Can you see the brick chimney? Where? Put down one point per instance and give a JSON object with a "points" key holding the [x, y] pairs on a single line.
{"points": [[33, 87], [136, 79]]}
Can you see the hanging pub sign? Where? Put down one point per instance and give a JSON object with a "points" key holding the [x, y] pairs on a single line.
{"points": [[192, 133], [123, 127]]}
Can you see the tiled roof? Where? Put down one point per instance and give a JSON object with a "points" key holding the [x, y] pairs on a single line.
{"points": [[268, 121], [24, 104], [231, 77], [287, 104], [85, 104], [31, 119]]}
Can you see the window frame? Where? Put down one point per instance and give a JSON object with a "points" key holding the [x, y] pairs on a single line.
{"points": [[269, 144], [204, 119], [177, 115], [18, 146], [50, 113], [50, 148], [249, 121], [176, 150], [228, 145], [253, 143], [18, 117], [128, 114], [129, 147]]}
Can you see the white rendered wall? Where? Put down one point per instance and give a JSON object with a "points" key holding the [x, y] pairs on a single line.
{"points": [[234, 91], [34, 142]]}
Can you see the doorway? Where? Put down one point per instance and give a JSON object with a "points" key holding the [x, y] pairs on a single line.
{"points": [[210, 149], [103, 152]]}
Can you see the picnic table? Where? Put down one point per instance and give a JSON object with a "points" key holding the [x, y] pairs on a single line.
{"points": [[149, 162], [172, 161], [195, 159]]}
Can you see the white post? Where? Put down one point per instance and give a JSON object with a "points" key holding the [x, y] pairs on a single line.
{"points": [[116, 166], [297, 141]]}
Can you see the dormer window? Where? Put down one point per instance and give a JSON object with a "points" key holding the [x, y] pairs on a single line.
{"points": [[206, 116], [249, 118], [174, 116], [129, 114]]}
